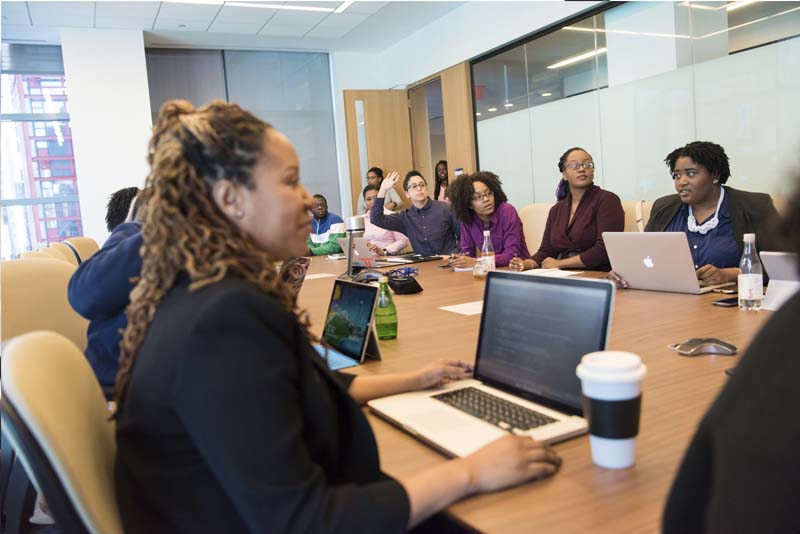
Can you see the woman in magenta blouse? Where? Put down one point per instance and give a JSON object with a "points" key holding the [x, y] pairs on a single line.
{"points": [[479, 203], [573, 235]]}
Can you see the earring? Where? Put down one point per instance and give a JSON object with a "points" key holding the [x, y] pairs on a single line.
{"points": [[716, 180]]}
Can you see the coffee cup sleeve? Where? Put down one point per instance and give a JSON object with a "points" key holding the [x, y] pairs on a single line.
{"points": [[613, 419]]}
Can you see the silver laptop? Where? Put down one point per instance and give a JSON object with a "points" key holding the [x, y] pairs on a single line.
{"points": [[349, 335], [659, 261], [362, 255], [533, 333], [784, 278]]}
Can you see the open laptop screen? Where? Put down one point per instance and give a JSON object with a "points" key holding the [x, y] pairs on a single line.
{"points": [[349, 318], [534, 331]]}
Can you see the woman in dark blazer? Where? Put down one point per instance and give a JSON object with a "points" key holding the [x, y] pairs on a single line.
{"points": [[714, 218], [227, 420], [741, 472], [573, 235]]}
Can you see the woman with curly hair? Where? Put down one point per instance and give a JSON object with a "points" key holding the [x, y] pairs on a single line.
{"points": [[227, 419], [479, 203], [714, 216]]}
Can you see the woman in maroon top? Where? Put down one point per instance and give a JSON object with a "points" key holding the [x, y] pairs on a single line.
{"points": [[573, 236]]}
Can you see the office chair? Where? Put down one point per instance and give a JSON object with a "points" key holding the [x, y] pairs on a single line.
{"points": [[34, 296], [66, 252], [55, 416], [84, 246]]}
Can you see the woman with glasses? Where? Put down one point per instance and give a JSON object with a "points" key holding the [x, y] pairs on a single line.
{"points": [[714, 218], [429, 224], [479, 202], [573, 235]]}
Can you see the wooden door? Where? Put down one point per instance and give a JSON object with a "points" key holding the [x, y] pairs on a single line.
{"points": [[386, 131]]}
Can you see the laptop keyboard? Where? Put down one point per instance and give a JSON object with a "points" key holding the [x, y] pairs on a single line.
{"points": [[492, 409]]}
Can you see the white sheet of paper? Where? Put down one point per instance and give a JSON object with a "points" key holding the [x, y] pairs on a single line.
{"points": [[468, 308], [319, 275], [555, 273]]}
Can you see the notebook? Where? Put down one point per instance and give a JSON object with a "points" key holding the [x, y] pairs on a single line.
{"points": [[658, 261], [348, 332], [533, 332]]}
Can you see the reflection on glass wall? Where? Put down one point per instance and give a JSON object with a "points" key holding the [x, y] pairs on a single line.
{"points": [[634, 82], [290, 90]]}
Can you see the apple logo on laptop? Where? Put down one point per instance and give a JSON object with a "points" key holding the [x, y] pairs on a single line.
{"points": [[648, 262]]}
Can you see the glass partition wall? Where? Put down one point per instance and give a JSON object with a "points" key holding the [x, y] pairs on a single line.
{"points": [[634, 81]]}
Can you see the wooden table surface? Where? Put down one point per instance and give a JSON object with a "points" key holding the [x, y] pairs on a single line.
{"points": [[581, 498]]}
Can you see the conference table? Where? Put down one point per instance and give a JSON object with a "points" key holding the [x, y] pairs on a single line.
{"points": [[582, 497]]}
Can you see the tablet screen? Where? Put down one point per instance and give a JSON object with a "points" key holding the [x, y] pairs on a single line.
{"points": [[349, 317]]}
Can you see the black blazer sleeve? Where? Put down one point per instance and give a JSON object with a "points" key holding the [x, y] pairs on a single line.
{"points": [[239, 398]]}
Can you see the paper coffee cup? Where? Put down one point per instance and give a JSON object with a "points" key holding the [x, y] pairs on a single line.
{"points": [[610, 381]]}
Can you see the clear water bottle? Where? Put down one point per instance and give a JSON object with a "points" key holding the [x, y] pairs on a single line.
{"points": [[487, 252], [751, 283], [385, 313]]}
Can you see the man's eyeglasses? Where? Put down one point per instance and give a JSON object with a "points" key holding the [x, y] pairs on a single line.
{"points": [[485, 196], [416, 185], [575, 165]]}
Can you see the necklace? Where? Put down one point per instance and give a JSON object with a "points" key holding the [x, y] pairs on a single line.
{"points": [[711, 223]]}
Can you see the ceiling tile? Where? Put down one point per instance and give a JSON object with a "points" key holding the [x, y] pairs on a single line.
{"points": [[180, 25], [285, 30], [238, 15], [15, 13], [73, 14], [134, 15], [330, 4], [249, 28], [298, 18], [344, 20], [365, 7], [328, 32], [188, 12]]}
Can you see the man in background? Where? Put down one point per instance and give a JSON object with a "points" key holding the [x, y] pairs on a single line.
{"points": [[326, 228]]}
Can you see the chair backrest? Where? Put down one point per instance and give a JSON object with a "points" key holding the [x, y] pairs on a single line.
{"points": [[780, 204], [534, 219], [34, 297], [36, 254], [637, 212], [86, 246], [55, 416], [65, 252]]}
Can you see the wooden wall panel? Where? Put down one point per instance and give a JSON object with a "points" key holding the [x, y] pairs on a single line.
{"points": [[388, 134], [459, 129], [421, 138]]}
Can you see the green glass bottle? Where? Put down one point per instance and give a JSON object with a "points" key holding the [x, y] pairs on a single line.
{"points": [[385, 313]]}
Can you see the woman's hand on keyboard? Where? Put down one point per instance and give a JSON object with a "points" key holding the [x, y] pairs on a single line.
{"points": [[440, 373], [509, 461]]}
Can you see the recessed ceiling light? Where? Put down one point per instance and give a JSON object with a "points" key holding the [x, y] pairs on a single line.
{"points": [[737, 5], [491, 110], [478, 114], [547, 94], [508, 105], [281, 6], [578, 58], [344, 6], [210, 2]]}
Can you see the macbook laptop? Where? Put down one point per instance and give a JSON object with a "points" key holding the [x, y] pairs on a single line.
{"points": [[362, 255], [533, 333], [784, 278], [348, 333], [659, 261]]}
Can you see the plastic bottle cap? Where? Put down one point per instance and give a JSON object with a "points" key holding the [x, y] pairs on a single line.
{"points": [[486, 233], [383, 280], [749, 238]]}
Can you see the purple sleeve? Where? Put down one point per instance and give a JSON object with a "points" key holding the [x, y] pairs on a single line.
{"points": [[546, 249], [467, 244], [610, 218], [512, 243]]}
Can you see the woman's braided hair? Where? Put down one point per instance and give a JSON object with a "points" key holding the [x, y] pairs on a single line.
{"points": [[184, 231]]}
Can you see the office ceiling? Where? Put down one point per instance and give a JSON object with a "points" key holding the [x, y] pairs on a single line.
{"points": [[365, 25]]}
